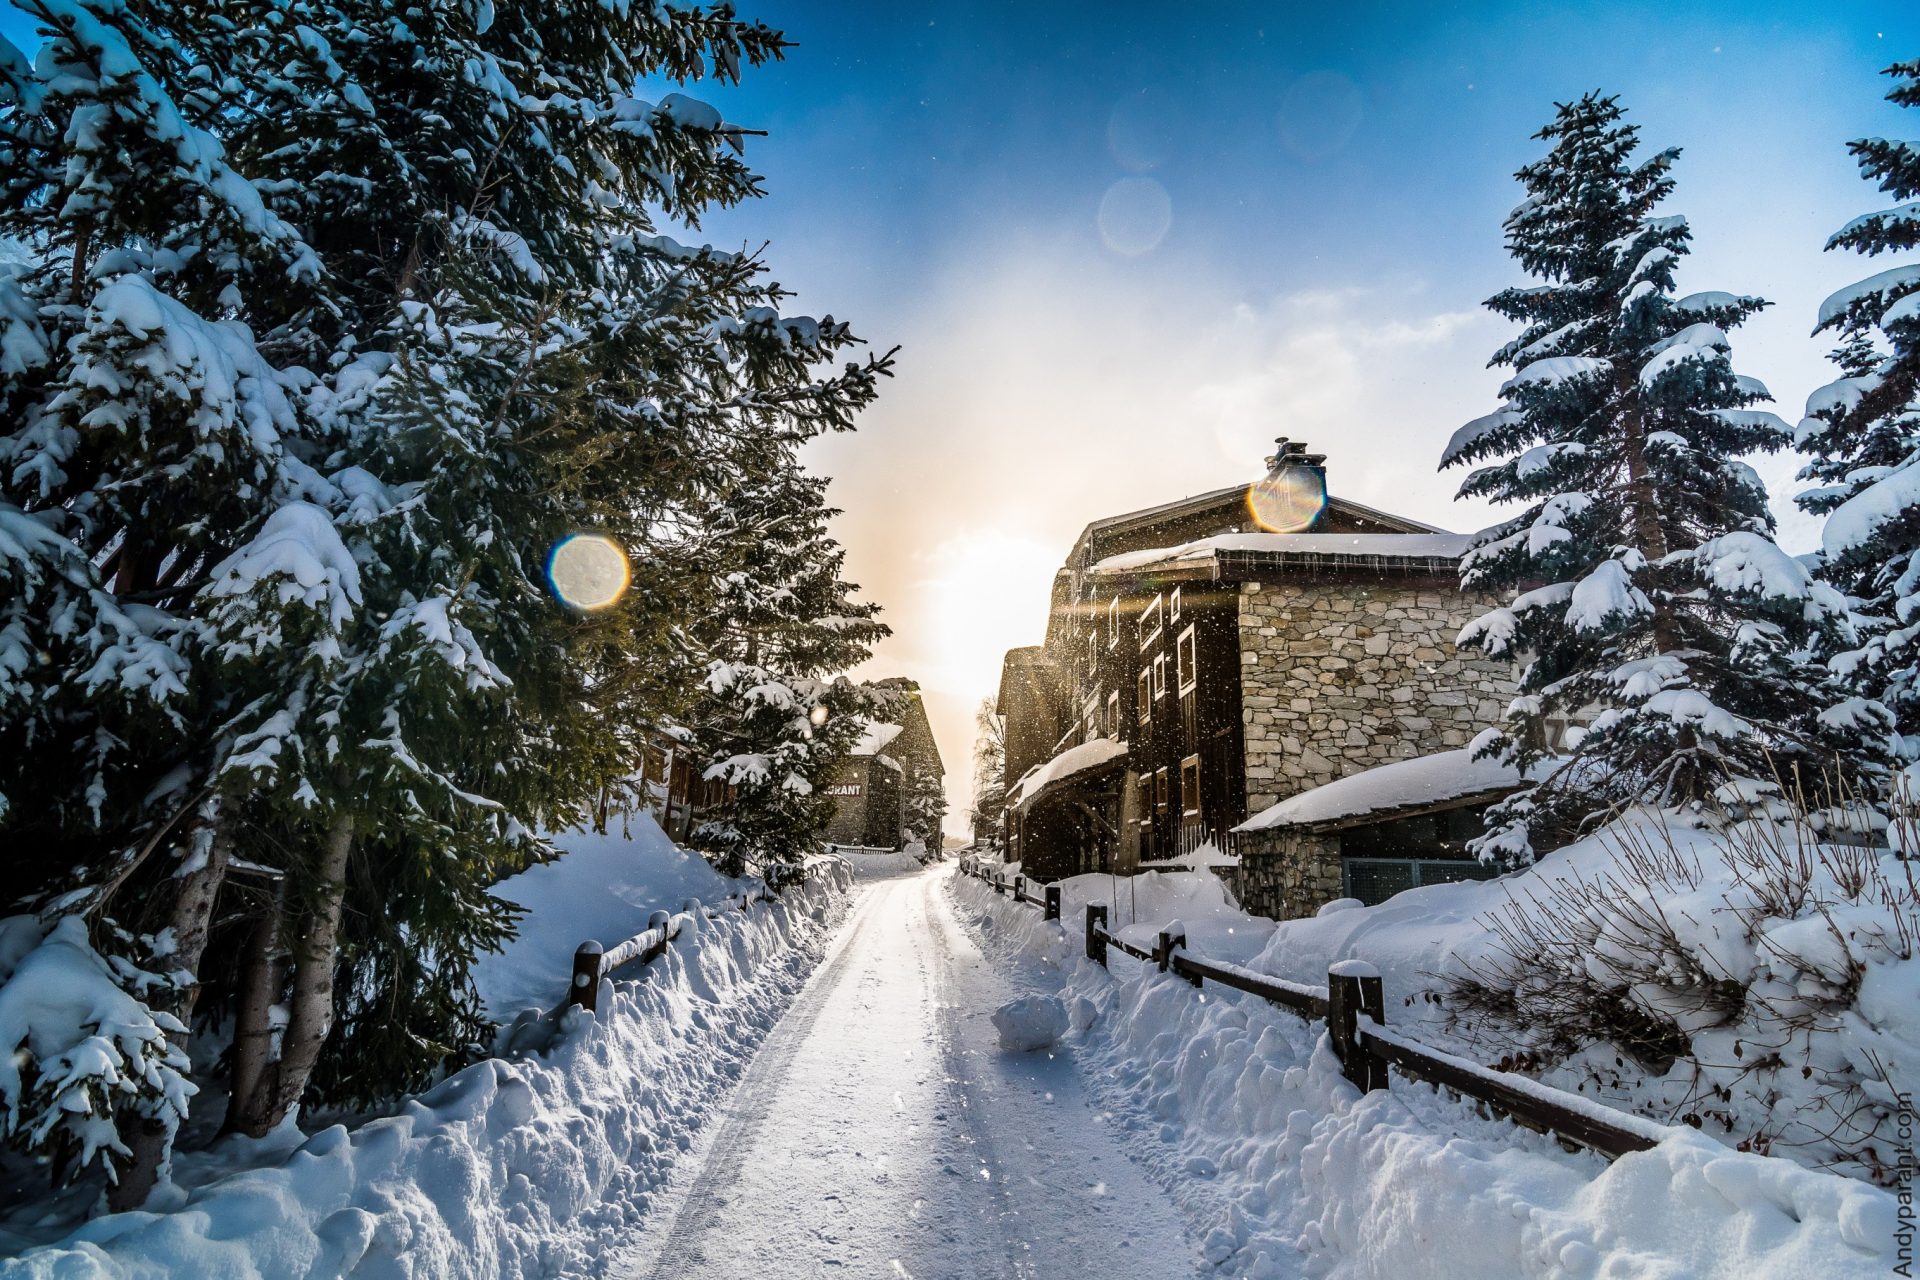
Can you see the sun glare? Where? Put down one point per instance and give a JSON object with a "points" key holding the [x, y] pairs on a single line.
{"points": [[588, 571], [1288, 501]]}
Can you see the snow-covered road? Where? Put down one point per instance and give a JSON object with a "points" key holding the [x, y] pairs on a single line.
{"points": [[882, 1132]]}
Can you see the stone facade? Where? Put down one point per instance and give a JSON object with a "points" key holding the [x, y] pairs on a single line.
{"points": [[1337, 677], [1289, 873]]}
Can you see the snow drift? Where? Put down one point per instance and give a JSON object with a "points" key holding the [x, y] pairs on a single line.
{"points": [[1241, 1111], [512, 1167]]}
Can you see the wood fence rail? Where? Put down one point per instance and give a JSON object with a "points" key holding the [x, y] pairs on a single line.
{"points": [[593, 963], [1353, 1007]]}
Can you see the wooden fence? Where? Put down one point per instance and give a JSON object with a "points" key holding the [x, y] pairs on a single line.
{"points": [[1353, 1007]]}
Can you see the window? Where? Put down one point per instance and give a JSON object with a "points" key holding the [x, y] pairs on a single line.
{"points": [[1374, 880], [1150, 621], [1160, 790], [1190, 786], [1143, 695], [1184, 651], [1160, 676], [1093, 652], [1113, 624], [1173, 606], [1113, 714]]}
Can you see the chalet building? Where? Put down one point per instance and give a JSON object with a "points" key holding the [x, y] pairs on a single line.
{"points": [[874, 784], [1209, 658]]}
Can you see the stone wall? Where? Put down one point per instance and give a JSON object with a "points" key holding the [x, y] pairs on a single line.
{"points": [[1288, 873], [1340, 677]]}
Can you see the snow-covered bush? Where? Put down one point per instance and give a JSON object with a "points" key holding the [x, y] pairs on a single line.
{"points": [[1755, 981], [76, 1049]]}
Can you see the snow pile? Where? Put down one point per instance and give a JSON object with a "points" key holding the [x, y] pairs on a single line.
{"points": [[513, 1168], [1030, 1023], [1239, 1109], [601, 888]]}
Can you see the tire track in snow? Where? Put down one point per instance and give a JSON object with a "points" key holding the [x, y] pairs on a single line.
{"points": [[738, 1139], [966, 1103]]}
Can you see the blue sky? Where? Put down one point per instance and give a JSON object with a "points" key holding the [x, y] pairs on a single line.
{"points": [[1303, 211], [1334, 185]]}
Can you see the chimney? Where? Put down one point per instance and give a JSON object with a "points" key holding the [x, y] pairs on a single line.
{"points": [[1294, 492], [1293, 453]]}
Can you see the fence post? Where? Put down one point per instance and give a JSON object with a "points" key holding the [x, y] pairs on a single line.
{"points": [[1163, 948], [1019, 887], [1051, 911], [1353, 989], [585, 991], [663, 921], [1096, 933]]}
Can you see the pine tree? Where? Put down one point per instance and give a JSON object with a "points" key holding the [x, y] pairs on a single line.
{"points": [[335, 322], [1644, 584], [778, 716], [147, 434], [1862, 433]]}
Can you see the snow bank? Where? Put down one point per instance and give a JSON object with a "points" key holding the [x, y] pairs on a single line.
{"points": [[1240, 1110], [510, 1168], [601, 888], [877, 864]]}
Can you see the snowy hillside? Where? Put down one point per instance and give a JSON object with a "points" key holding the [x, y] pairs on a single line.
{"points": [[602, 887]]}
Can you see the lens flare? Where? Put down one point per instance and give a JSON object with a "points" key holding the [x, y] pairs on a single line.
{"points": [[1288, 501], [1134, 216], [588, 571]]}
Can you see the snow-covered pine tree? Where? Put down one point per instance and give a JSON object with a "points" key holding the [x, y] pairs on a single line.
{"points": [[1862, 432], [145, 437], [1644, 584], [517, 356], [778, 715]]}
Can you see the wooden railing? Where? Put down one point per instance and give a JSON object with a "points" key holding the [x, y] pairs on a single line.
{"points": [[593, 963], [1353, 1007]]}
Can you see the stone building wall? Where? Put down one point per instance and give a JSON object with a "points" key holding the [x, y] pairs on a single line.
{"points": [[1340, 677], [1288, 873]]}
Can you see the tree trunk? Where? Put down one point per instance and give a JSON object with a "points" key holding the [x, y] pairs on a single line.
{"points": [[310, 1015], [249, 1084], [196, 889], [1649, 538]]}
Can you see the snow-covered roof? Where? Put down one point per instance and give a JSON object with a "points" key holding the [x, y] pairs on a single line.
{"points": [[1404, 784], [1358, 546], [1072, 761], [874, 737]]}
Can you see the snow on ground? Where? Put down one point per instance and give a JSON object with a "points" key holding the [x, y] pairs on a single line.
{"points": [[877, 864], [601, 888], [883, 1132], [533, 1166], [1240, 1110]]}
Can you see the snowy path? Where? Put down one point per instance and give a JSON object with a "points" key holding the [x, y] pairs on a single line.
{"points": [[881, 1132]]}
